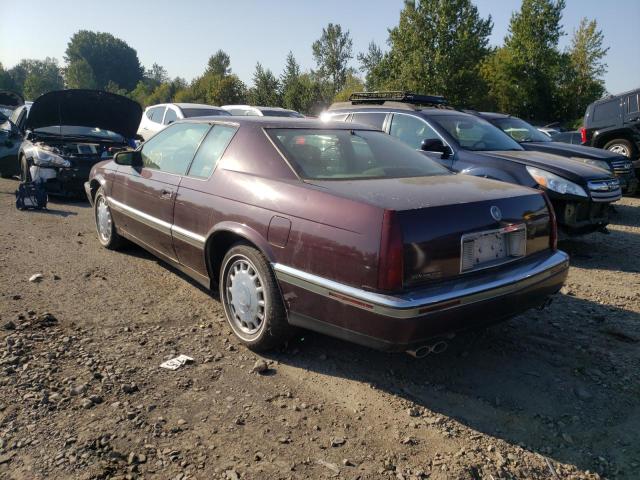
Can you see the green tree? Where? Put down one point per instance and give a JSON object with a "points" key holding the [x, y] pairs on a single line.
{"points": [[43, 76], [582, 71], [219, 64], [79, 74], [523, 76], [291, 87], [352, 84], [369, 64], [157, 73], [110, 58], [6, 81], [437, 48], [332, 52], [265, 89]]}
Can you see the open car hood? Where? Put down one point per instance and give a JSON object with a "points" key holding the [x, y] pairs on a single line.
{"points": [[9, 99], [86, 108]]}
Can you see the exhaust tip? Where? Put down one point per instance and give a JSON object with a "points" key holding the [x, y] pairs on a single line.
{"points": [[425, 350]]}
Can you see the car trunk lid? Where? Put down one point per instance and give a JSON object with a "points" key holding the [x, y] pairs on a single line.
{"points": [[441, 219]]}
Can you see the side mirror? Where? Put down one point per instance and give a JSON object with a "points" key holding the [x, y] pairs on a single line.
{"points": [[435, 145], [130, 158]]}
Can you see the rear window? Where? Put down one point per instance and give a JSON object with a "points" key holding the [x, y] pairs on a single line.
{"points": [[632, 103], [203, 112], [351, 154], [606, 111], [373, 119]]}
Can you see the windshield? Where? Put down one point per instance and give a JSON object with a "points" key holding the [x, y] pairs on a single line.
{"points": [[281, 113], [351, 154], [5, 113], [520, 130], [476, 134], [72, 131], [203, 112]]}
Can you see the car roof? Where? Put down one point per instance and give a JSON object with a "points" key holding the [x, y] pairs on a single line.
{"points": [[392, 107], [281, 122], [494, 115], [257, 107], [185, 105]]}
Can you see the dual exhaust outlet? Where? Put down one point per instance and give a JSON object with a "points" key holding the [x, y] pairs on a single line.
{"points": [[429, 349]]}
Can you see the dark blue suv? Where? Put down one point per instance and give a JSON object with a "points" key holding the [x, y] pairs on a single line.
{"points": [[581, 194]]}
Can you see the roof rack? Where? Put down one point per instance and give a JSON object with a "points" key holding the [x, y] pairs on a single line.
{"points": [[396, 96]]}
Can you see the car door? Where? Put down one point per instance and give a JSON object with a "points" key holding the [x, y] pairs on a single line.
{"points": [[195, 208], [143, 197], [413, 130]]}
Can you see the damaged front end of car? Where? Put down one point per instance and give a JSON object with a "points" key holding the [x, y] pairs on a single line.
{"points": [[69, 131]]}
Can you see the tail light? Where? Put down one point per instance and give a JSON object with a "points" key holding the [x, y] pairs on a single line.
{"points": [[553, 236], [583, 135], [390, 263]]}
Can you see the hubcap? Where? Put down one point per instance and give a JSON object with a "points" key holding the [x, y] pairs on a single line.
{"points": [[621, 149], [245, 296], [103, 219]]}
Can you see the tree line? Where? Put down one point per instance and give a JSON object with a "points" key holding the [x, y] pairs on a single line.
{"points": [[437, 47]]}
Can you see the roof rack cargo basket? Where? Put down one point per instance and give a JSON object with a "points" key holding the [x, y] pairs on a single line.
{"points": [[396, 96]]}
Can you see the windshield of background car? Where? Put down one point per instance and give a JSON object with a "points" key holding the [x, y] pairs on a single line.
{"points": [[351, 154], [73, 131], [280, 113], [520, 130], [476, 134], [203, 112], [5, 113]]}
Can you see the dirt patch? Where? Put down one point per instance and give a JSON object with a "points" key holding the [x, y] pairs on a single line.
{"points": [[551, 394]]}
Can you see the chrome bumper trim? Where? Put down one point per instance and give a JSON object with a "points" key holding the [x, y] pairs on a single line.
{"points": [[431, 299]]}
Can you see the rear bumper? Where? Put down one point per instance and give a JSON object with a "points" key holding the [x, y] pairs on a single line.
{"points": [[399, 322]]}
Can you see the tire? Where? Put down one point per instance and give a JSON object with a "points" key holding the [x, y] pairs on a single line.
{"points": [[620, 145], [251, 299], [25, 174], [105, 227]]}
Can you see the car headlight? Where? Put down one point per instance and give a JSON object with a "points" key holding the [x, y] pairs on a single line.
{"points": [[46, 158], [555, 183]]}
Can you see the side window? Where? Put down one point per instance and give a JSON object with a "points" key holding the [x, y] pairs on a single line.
{"points": [[156, 114], [170, 117], [210, 151], [172, 149], [632, 103], [411, 130], [606, 111], [373, 119]]}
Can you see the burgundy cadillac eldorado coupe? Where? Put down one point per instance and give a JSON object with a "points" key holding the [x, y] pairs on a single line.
{"points": [[329, 226]]}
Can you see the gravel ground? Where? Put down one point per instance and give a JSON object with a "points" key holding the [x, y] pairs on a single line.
{"points": [[551, 394]]}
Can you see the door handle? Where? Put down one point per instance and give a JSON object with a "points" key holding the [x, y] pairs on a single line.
{"points": [[166, 194]]}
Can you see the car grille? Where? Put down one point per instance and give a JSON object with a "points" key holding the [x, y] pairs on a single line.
{"points": [[605, 190], [621, 167]]}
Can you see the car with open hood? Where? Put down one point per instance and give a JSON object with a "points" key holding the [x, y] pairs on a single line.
{"points": [[532, 140], [464, 143], [69, 131], [337, 228]]}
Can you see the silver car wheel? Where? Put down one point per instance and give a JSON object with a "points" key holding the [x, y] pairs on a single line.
{"points": [[245, 296], [103, 220], [621, 149]]}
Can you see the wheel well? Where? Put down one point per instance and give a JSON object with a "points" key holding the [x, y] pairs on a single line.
{"points": [[614, 136], [216, 248], [95, 185]]}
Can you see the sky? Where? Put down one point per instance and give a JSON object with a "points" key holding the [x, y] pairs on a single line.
{"points": [[182, 35]]}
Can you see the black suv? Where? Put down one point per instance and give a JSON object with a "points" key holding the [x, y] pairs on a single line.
{"points": [[533, 139], [581, 194], [613, 123]]}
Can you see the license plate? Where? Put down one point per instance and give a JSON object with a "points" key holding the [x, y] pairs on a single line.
{"points": [[486, 249]]}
